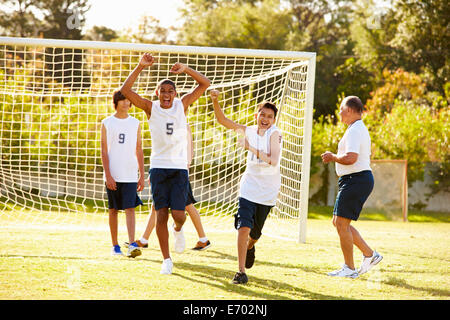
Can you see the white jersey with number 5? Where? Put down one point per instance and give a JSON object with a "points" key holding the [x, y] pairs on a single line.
{"points": [[261, 181], [121, 138], [169, 136]]}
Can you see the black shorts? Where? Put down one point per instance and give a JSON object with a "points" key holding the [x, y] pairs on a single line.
{"points": [[169, 188], [252, 215], [354, 189], [124, 197]]}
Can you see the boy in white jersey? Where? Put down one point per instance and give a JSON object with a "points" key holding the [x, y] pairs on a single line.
{"points": [[203, 243], [122, 159], [168, 162], [260, 182]]}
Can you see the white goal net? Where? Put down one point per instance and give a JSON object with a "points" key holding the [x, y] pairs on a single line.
{"points": [[54, 94]]}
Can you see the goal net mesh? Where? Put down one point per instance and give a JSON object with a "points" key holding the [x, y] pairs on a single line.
{"points": [[53, 99]]}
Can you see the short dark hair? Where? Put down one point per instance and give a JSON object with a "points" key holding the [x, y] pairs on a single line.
{"points": [[166, 81], [117, 96], [268, 105], [354, 103]]}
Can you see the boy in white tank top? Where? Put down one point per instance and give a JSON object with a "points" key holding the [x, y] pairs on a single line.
{"points": [[122, 159], [168, 166], [260, 182]]}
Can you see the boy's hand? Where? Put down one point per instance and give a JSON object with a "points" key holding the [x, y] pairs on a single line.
{"points": [[178, 68], [214, 94], [243, 142], [147, 60], [141, 184], [111, 183]]}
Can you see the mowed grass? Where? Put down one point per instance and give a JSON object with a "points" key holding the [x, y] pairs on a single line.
{"points": [[74, 262]]}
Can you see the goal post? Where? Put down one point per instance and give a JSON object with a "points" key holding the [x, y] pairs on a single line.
{"points": [[55, 93]]}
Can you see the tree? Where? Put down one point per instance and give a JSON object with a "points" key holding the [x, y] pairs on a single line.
{"points": [[100, 33], [18, 18]]}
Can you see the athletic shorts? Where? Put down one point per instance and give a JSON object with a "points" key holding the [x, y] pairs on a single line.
{"points": [[190, 197], [124, 197], [169, 188], [354, 189], [252, 215]]}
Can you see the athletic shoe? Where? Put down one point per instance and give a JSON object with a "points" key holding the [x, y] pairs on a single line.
{"points": [[250, 258], [139, 243], [240, 278], [133, 250], [167, 266], [369, 262], [180, 242], [202, 245], [115, 251], [344, 272]]}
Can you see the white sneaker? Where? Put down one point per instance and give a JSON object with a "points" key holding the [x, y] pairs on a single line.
{"points": [[180, 242], [344, 272], [369, 262], [167, 266], [133, 250]]}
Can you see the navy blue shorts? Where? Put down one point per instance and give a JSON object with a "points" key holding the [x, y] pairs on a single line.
{"points": [[190, 197], [124, 197], [252, 215], [169, 188], [354, 189]]}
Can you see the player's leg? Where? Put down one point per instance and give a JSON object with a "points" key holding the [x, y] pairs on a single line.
{"points": [[113, 225], [162, 216], [346, 240], [150, 224], [359, 242], [203, 242], [133, 248], [242, 243], [261, 213], [179, 181]]}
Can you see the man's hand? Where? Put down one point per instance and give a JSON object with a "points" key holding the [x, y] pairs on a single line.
{"points": [[327, 157]]}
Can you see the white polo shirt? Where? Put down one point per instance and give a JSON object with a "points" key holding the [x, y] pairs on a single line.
{"points": [[356, 139]]}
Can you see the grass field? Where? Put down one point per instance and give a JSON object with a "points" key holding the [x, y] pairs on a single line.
{"points": [[44, 262]]}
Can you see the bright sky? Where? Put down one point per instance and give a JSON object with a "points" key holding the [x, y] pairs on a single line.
{"points": [[120, 14]]}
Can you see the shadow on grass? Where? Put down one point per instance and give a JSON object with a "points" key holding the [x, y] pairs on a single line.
{"points": [[274, 290], [401, 283]]}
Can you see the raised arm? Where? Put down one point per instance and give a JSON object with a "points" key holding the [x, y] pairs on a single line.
{"points": [[146, 61], [202, 81], [221, 118]]}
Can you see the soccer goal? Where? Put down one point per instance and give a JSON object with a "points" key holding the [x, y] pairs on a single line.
{"points": [[54, 94]]}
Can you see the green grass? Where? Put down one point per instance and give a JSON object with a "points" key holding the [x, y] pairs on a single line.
{"points": [[74, 262]]}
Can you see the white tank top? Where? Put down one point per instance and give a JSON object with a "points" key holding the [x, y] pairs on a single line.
{"points": [[261, 181], [121, 138], [169, 136]]}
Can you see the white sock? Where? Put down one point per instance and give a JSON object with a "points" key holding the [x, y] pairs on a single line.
{"points": [[143, 240], [204, 239]]}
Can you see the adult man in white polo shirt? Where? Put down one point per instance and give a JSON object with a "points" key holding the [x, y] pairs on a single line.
{"points": [[355, 185]]}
